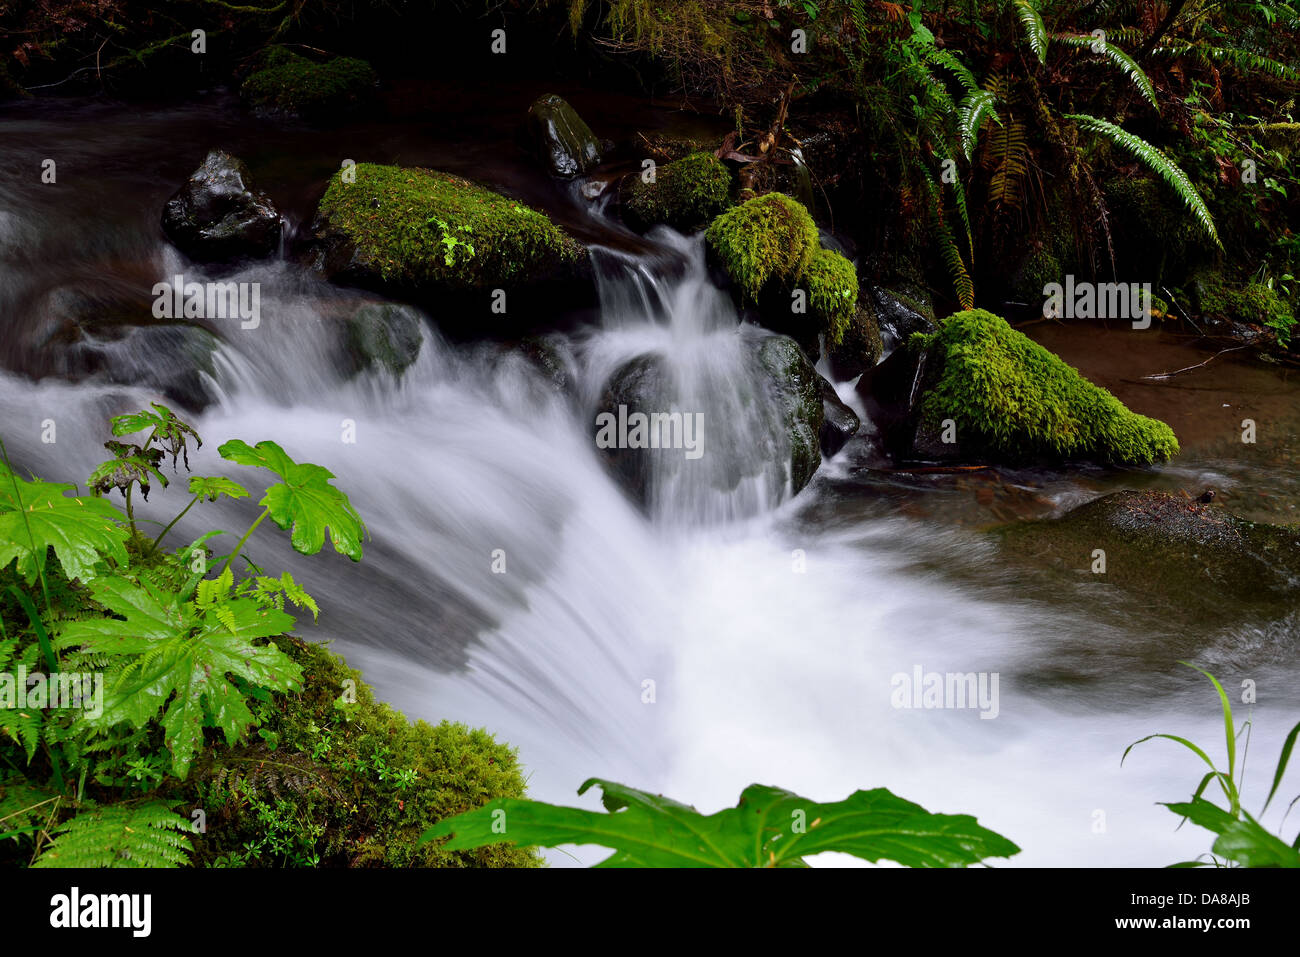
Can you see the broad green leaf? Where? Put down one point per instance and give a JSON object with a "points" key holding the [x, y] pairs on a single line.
{"points": [[305, 499], [184, 649], [82, 530], [770, 827], [213, 486], [129, 465]]}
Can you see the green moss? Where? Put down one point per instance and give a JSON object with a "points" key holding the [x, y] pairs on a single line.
{"points": [[832, 285], [347, 784], [1252, 303], [769, 237], [1020, 401], [414, 226], [686, 194], [288, 83]]}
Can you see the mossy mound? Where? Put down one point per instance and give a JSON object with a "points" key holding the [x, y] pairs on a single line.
{"points": [[686, 194], [1013, 400], [1251, 302], [408, 228], [333, 782], [832, 285], [769, 237], [290, 84]]}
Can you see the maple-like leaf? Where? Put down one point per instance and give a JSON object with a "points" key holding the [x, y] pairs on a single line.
{"points": [[186, 649], [36, 516], [304, 499]]}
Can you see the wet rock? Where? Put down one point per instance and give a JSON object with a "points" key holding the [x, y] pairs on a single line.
{"points": [[686, 194], [839, 422], [286, 84], [795, 387], [642, 385], [384, 335], [560, 137], [861, 347], [1167, 546], [218, 216]]}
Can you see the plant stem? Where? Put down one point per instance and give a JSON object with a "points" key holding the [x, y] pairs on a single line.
{"points": [[173, 522], [252, 528], [130, 513]]}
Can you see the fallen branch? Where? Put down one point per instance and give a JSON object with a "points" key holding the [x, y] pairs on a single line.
{"points": [[1199, 365]]}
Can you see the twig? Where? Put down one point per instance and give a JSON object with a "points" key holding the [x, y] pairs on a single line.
{"points": [[1199, 365], [1186, 315]]}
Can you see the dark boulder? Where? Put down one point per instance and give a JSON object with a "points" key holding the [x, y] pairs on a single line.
{"points": [[218, 216], [561, 139]]}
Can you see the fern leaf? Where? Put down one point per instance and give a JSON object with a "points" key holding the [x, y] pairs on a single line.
{"points": [[1125, 63], [1035, 32], [1009, 152], [1158, 162], [120, 836], [948, 250], [974, 110]]}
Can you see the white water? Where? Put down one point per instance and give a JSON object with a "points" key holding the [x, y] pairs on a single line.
{"points": [[762, 672]]}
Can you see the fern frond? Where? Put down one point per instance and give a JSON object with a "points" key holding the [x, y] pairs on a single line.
{"points": [[1009, 153], [948, 250], [1158, 162], [974, 110], [1125, 63], [945, 58], [120, 836], [1035, 31]]}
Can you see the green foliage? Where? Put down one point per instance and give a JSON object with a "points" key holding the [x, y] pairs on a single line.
{"points": [[1013, 398], [832, 292], [175, 655], [1241, 840], [295, 85], [1031, 20], [1125, 63], [1252, 302], [768, 237], [304, 500], [37, 516], [770, 827], [686, 194], [1158, 162], [167, 432], [212, 487], [386, 214], [148, 834]]}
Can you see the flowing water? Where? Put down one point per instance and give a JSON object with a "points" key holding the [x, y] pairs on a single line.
{"points": [[770, 625]]}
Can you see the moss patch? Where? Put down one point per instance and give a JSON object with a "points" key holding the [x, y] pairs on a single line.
{"points": [[1252, 302], [418, 226], [1018, 401], [832, 285], [768, 237], [288, 83], [333, 783], [686, 194]]}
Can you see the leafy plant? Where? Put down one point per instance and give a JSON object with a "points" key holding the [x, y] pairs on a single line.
{"points": [[149, 834], [1241, 839], [770, 827]]}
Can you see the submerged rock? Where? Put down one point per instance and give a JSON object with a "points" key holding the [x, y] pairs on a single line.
{"points": [[291, 85], [978, 390], [384, 335], [560, 137], [406, 229], [1158, 544], [218, 216]]}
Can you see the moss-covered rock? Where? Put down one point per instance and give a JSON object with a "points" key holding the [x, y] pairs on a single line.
{"points": [[832, 285], [1012, 400], [686, 194], [408, 228], [336, 779], [769, 237], [289, 84], [862, 344], [1250, 302]]}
